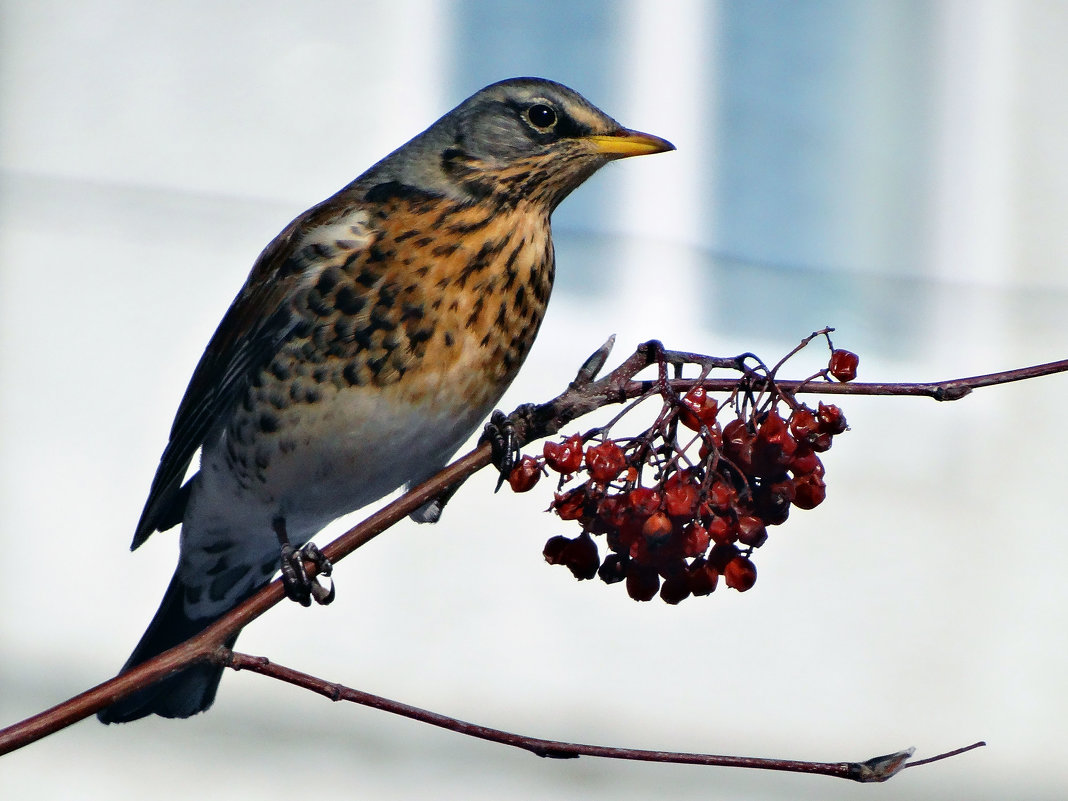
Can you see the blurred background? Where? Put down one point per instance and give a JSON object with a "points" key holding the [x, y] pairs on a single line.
{"points": [[895, 169]]}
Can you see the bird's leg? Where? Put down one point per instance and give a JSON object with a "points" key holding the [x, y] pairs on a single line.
{"points": [[506, 432], [503, 432], [299, 586], [430, 512]]}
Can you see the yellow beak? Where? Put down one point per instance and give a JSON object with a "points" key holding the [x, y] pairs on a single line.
{"points": [[624, 143]]}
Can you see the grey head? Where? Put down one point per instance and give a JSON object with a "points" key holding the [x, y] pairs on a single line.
{"points": [[531, 127]]}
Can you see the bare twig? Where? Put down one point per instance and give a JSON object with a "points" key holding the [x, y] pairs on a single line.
{"points": [[876, 769]]}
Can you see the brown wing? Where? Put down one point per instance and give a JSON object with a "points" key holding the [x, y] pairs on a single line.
{"points": [[259, 319]]}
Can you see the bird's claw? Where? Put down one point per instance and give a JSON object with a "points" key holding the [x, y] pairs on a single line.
{"points": [[301, 587], [502, 432]]}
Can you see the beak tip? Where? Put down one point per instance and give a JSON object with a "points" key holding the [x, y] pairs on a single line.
{"points": [[626, 142]]}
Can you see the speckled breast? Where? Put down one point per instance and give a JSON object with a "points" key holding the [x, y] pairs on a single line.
{"points": [[404, 344]]}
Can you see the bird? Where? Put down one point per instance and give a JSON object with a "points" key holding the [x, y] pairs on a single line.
{"points": [[371, 338]]}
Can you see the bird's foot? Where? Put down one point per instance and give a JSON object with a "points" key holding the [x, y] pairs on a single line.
{"points": [[504, 432], [300, 586]]}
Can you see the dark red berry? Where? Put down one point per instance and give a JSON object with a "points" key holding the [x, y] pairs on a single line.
{"points": [[702, 577], [578, 555], [605, 461], [804, 425], [612, 511], [564, 457], [751, 531], [554, 549], [722, 496], [738, 444], [670, 567], [675, 589], [524, 475], [721, 554], [740, 573], [722, 530], [695, 540], [821, 442], [773, 425], [614, 568], [571, 505], [843, 365], [681, 496], [809, 491], [773, 446], [805, 461], [656, 529], [698, 408], [642, 581], [771, 502], [581, 557], [643, 501], [712, 443], [832, 421]]}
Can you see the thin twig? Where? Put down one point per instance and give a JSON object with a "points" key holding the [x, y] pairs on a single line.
{"points": [[956, 751], [877, 769]]}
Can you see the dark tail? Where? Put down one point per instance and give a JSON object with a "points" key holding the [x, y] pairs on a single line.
{"points": [[183, 694]]}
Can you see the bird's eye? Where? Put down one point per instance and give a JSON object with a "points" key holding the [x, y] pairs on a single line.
{"points": [[541, 116]]}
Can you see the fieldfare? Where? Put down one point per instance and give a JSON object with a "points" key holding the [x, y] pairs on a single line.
{"points": [[371, 338]]}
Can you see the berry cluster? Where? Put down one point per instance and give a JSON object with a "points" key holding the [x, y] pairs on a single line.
{"points": [[676, 521]]}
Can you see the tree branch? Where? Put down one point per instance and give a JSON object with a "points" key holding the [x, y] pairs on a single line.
{"points": [[876, 769], [584, 395]]}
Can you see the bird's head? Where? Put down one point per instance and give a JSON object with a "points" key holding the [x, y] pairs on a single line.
{"points": [[520, 139]]}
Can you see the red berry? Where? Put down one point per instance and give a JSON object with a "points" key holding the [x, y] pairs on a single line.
{"points": [[809, 491], [580, 556], [722, 496], [805, 461], [670, 567], [698, 409], [680, 496], [713, 443], [722, 530], [571, 505], [843, 365], [736, 435], [720, 555], [564, 457], [642, 581], [616, 542], [630, 539], [605, 461], [524, 475], [675, 589], [702, 577], [614, 568], [804, 425], [773, 425], [771, 502], [751, 531], [821, 442], [612, 511], [695, 540], [643, 501], [554, 549], [657, 527], [773, 446], [740, 573], [832, 421]]}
